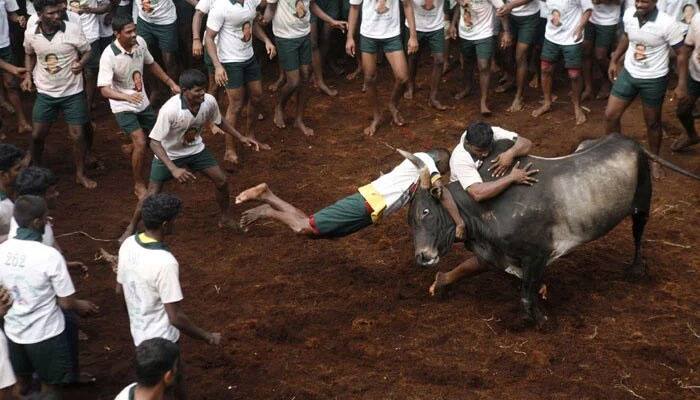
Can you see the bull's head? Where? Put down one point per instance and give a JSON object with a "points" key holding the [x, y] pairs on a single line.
{"points": [[433, 228]]}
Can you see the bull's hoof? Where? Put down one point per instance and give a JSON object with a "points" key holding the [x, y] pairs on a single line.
{"points": [[637, 272]]}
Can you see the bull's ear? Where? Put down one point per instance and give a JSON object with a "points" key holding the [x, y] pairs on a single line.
{"points": [[436, 192]]}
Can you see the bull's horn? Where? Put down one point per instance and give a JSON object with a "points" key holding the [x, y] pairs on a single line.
{"points": [[423, 169], [424, 178]]}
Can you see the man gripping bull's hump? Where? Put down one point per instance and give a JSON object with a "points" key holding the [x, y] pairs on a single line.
{"points": [[368, 205]]}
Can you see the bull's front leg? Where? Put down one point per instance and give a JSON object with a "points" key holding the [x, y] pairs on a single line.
{"points": [[533, 270]]}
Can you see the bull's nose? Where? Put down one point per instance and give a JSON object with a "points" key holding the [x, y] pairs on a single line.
{"points": [[426, 259]]}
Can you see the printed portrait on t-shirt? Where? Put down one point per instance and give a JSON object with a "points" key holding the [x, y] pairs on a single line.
{"points": [[688, 12], [640, 52], [74, 6], [247, 31], [555, 18], [428, 5], [190, 136], [51, 63], [299, 9], [467, 14], [137, 78], [382, 6], [147, 5]]}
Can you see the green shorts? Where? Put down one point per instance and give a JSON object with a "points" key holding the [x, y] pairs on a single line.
{"points": [[541, 28], [294, 53], [525, 27], [208, 63], [652, 91], [330, 7], [50, 359], [163, 37], [388, 45], [125, 11], [74, 109], [196, 162], [342, 218], [7, 55], [573, 54], [131, 122], [95, 54], [435, 40], [482, 48], [240, 73], [603, 36], [105, 42], [693, 88]]}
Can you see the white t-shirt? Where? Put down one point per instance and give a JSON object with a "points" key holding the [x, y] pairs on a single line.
{"points": [[88, 21], [6, 7], [234, 23], [204, 6], [47, 238], [648, 52], [606, 14], [463, 168], [7, 375], [477, 19], [124, 72], [158, 12], [52, 73], [691, 39], [430, 15], [397, 187], [680, 10], [525, 10], [290, 22], [106, 30], [380, 18], [124, 394], [35, 274], [179, 131], [562, 19], [149, 275]]}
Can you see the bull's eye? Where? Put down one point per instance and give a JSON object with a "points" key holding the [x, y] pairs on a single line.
{"points": [[426, 212]]}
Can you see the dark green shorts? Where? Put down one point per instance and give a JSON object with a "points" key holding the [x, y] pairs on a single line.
{"points": [[209, 64], [693, 88], [435, 40], [240, 73], [602, 36], [95, 54], [74, 109], [163, 37], [652, 91], [131, 122], [330, 7], [125, 11], [481, 49], [342, 218], [573, 54], [104, 43], [50, 359], [372, 46], [525, 27], [196, 162], [541, 28], [7, 55], [293, 53]]}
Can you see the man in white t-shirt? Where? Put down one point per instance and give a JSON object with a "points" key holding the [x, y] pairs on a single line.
{"points": [[148, 275], [292, 29], [156, 370], [156, 23], [231, 26], [56, 54], [599, 40], [430, 30], [649, 36], [466, 159], [37, 277], [7, 375], [380, 30], [176, 141], [475, 24], [8, 12], [688, 96], [369, 205], [121, 80], [563, 38]]}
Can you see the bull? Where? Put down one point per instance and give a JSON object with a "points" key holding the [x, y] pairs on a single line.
{"points": [[579, 198]]}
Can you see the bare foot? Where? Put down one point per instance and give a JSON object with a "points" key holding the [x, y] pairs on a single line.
{"points": [[437, 105], [485, 110], [543, 292], [683, 142], [505, 86], [408, 94], [7, 107], [396, 116], [250, 216], [372, 128], [580, 116], [437, 289], [545, 108], [534, 82], [140, 190], [657, 171], [354, 74], [275, 86], [279, 118], [24, 127], [326, 90], [86, 182], [517, 105], [586, 94], [127, 149], [464, 93], [299, 124], [254, 193]]}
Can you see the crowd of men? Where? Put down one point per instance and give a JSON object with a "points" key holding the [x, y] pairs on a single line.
{"points": [[75, 50]]}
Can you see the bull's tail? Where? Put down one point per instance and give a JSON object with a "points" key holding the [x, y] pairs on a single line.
{"points": [[669, 164]]}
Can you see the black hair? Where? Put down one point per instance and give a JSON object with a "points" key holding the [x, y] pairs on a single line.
{"points": [[27, 209], [159, 208], [120, 21], [35, 181], [441, 156], [479, 134], [39, 5], [10, 155], [191, 78], [155, 357]]}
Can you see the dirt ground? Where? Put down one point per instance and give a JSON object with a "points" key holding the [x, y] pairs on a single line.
{"points": [[351, 318]]}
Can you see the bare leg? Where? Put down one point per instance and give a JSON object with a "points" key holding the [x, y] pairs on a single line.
{"points": [[39, 132], [468, 268], [274, 207], [468, 76], [399, 67], [576, 84], [276, 85], [301, 99], [13, 95], [484, 82], [521, 50], [587, 70], [254, 90], [217, 176], [138, 162], [684, 112], [235, 105], [290, 88], [317, 60], [90, 86], [369, 67], [412, 70], [652, 118], [77, 134], [546, 82], [603, 61], [436, 75], [613, 114]]}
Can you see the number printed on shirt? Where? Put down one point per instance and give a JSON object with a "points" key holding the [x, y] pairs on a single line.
{"points": [[15, 259]]}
